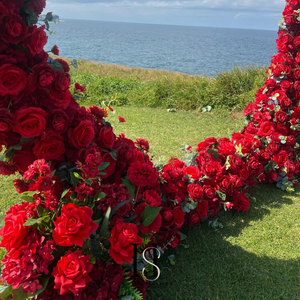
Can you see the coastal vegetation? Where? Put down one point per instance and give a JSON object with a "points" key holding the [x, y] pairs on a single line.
{"points": [[231, 90]]}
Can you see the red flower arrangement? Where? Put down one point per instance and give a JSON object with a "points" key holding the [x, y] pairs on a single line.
{"points": [[90, 197]]}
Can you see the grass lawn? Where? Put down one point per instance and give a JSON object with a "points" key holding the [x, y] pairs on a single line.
{"points": [[256, 253]]}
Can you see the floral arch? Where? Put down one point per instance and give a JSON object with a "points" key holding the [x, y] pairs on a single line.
{"points": [[91, 201]]}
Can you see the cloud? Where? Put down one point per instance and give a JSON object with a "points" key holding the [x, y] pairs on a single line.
{"points": [[275, 5]]}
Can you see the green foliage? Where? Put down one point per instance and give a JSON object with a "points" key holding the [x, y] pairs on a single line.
{"points": [[127, 289], [230, 90]]}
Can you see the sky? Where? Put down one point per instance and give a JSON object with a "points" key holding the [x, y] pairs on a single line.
{"points": [[252, 14]]}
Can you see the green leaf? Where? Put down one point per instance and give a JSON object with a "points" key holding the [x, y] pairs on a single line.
{"points": [[74, 180], [88, 181], [130, 186], [149, 214], [104, 226], [74, 63], [227, 164], [221, 195], [32, 193], [99, 196], [19, 294], [28, 199], [16, 147], [6, 292], [118, 206], [64, 193], [101, 173], [265, 90], [32, 221], [104, 165], [113, 154], [40, 210], [49, 16], [182, 236], [25, 140], [56, 65]]}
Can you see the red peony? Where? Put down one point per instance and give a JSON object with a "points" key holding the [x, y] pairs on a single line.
{"points": [[74, 225], [123, 237], [72, 272]]}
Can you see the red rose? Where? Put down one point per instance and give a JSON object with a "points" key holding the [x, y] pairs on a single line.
{"points": [[178, 216], [255, 166], [202, 209], [12, 80], [36, 40], [42, 76], [49, 146], [37, 6], [167, 217], [74, 225], [142, 174], [30, 122], [14, 232], [22, 159], [280, 116], [192, 218], [195, 191], [240, 202], [106, 137], [208, 192], [79, 88], [272, 176], [6, 119], [55, 50], [281, 158], [225, 184], [72, 272], [110, 168], [6, 169], [82, 135], [297, 73], [13, 29], [192, 172], [64, 64], [123, 237], [121, 119], [212, 168], [226, 148], [58, 120], [266, 128]]}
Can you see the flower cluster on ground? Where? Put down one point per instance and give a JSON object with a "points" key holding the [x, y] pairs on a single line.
{"points": [[89, 198]]}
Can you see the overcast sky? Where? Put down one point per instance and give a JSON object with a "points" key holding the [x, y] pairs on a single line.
{"points": [[256, 14]]}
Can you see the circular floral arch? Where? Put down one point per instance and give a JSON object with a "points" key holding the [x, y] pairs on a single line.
{"points": [[92, 202]]}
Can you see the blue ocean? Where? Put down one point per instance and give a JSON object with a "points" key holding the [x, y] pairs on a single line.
{"points": [[187, 49]]}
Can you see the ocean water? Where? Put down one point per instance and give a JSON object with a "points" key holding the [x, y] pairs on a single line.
{"points": [[186, 49]]}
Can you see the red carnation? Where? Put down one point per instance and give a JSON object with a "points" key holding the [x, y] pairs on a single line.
{"points": [[142, 174], [74, 225], [152, 198], [142, 144]]}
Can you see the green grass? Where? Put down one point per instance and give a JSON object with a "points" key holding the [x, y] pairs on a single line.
{"points": [[162, 89], [255, 256]]}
